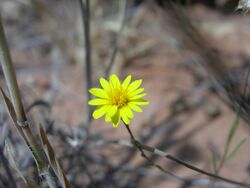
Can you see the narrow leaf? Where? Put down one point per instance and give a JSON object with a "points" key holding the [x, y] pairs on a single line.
{"points": [[11, 112], [48, 148], [62, 176], [233, 130], [9, 105], [236, 149], [52, 159]]}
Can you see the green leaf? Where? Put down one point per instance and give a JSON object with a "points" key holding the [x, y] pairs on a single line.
{"points": [[236, 149], [233, 130]]}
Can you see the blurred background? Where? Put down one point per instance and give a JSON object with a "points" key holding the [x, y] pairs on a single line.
{"points": [[193, 57]]}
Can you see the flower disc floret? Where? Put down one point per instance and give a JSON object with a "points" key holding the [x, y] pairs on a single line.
{"points": [[118, 98], [117, 101]]}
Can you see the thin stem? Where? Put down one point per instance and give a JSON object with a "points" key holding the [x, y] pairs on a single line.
{"points": [[118, 39], [21, 120], [85, 11], [138, 145], [10, 76], [142, 147], [223, 159]]}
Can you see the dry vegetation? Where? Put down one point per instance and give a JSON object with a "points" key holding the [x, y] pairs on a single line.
{"points": [[193, 57]]}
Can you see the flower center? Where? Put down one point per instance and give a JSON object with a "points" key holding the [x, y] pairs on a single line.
{"points": [[119, 98]]}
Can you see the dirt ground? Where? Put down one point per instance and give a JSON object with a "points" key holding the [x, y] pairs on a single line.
{"points": [[51, 71]]}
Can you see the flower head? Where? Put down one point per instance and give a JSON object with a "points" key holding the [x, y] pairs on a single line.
{"points": [[117, 100]]}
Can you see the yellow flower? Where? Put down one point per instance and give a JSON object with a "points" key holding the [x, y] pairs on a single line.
{"points": [[117, 100]]}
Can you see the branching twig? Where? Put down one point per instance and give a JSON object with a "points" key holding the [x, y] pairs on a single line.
{"points": [[142, 147]]}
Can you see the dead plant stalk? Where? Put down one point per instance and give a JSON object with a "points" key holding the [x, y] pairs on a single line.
{"points": [[24, 127]]}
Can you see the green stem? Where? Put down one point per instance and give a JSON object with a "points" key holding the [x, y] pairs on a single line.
{"points": [[10, 76]]}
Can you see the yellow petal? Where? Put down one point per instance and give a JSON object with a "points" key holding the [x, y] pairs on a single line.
{"points": [[140, 102], [128, 112], [97, 102], [112, 111], [137, 96], [99, 93], [134, 85], [99, 112], [134, 107], [104, 83], [125, 119], [126, 82], [116, 119], [138, 91], [107, 118], [114, 81]]}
